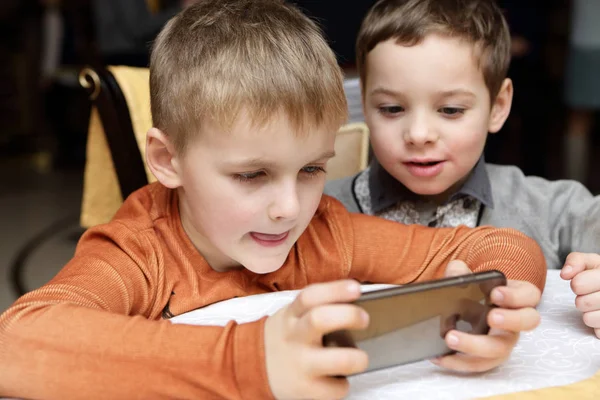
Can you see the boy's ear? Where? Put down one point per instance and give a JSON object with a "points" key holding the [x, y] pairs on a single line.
{"points": [[501, 106], [162, 159]]}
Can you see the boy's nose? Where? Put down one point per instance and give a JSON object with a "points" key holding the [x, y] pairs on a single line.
{"points": [[418, 133], [285, 204]]}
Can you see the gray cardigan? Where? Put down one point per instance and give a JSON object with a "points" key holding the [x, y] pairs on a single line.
{"points": [[562, 216]]}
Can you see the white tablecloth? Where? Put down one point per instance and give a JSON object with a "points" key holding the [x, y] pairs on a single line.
{"points": [[560, 351]]}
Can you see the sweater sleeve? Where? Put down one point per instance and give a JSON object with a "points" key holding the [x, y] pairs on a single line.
{"points": [[89, 334], [561, 215], [573, 214], [387, 251]]}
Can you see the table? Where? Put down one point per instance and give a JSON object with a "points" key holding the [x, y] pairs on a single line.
{"points": [[562, 350]]}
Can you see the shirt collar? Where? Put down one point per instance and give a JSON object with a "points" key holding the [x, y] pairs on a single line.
{"points": [[386, 191]]}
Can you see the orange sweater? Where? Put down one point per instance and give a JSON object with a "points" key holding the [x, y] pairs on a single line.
{"points": [[97, 330]]}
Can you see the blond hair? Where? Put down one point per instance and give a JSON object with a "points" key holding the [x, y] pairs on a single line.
{"points": [[218, 57], [408, 22]]}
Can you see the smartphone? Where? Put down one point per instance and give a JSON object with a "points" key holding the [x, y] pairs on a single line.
{"points": [[408, 323]]}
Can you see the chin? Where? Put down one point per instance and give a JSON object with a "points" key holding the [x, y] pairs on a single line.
{"points": [[428, 190], [263, 266]]}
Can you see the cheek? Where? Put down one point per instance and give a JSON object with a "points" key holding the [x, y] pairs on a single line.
{"points": [[385, 144], [310, 195], [469, 137], [237, 212], [384, 135], [222, 205], [227, 222]]}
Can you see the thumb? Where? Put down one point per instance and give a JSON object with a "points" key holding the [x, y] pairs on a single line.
{"points": [[456, 268]]}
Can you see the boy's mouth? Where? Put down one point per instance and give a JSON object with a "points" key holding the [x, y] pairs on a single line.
{"points": [[422, 163], [269, 240], [425, 168]]}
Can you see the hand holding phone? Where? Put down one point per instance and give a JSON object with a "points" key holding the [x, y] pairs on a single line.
{"points": [[297, 366], [409, 323]]}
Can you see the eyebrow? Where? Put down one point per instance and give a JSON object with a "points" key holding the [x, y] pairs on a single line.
{"points": [[456, 92], [327, 155], [442, 93], [259, 162], [382, 90]]}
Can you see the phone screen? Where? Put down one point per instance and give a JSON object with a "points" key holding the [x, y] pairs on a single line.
{"points": [[409, 323]]}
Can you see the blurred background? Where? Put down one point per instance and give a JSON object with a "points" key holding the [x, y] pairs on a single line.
{"points": [[44, 112]]}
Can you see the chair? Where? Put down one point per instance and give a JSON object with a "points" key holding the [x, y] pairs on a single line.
{"points": [[351, 151], [119, 121]]}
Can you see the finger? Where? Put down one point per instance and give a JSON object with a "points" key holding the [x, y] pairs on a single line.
{"points": [[586, 282], [329, 318], [578, 262], [592, 319], [466, 363], [494, 345], [516, 294], [597, 332], [524, 319], [335, 361], [588, 302], [473, 312], [342, 291], [573, 265], [457, 268]]}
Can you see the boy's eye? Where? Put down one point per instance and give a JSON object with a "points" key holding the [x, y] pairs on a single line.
{"points": [[248, 176], [313, 170], [391, 110], [452, 111]]}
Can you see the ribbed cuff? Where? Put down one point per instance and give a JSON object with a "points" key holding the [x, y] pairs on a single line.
{"points": [[250, 361]]}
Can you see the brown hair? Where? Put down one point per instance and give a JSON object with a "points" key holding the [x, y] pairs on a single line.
{"points": [[218, 57], [479, 22]]}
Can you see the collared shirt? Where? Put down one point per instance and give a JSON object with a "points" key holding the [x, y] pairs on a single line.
{"points": [[378, 193]]}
